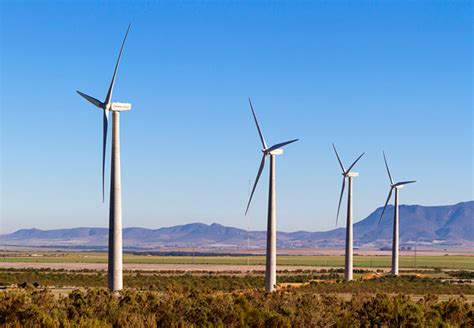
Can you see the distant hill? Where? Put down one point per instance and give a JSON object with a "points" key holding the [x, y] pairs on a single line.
{"points": [[448, 225], [429, 225]]}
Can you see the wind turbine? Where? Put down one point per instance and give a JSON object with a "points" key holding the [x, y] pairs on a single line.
{"points": [[394, 186], [349, 235], [270, 263], [115, 278]]}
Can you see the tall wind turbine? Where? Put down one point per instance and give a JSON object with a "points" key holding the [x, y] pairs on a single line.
{"points": [[347, 174], [115, 279], [394, 186], [270, 263]]}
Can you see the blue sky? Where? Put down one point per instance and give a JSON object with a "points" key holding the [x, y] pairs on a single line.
{"points": [[367, 75]]}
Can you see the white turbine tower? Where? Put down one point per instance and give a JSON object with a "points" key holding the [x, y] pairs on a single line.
{"points": [[394, 186], [115, 279], [270, 263], [349, 235]]}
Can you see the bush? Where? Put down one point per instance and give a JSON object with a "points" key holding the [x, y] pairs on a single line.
{"points": [[295, 307]]}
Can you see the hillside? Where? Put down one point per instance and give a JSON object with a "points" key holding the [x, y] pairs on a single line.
{"points": [[428, 225]]}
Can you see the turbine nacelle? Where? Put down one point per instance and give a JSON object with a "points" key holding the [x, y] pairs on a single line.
{"points": [[277, 151], [351, 174], [120, 107]]}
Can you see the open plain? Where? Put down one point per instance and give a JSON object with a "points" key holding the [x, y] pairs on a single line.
{"points": [[98, 261]]}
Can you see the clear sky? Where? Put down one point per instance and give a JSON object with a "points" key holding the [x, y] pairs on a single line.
{"points": [[367, 75]]}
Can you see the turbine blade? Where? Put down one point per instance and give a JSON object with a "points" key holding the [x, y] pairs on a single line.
{"points": [[388, 170], [404, 183], [386, 202], [111, 87], [104, 146], [350, 167], [90, 99], [280, 145], [340, 198], [264, 144], [338, 158], [260, 169]]}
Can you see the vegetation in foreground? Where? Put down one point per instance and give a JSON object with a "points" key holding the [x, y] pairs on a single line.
{"points": [[195, 308], [171, 299], [322, 281]]}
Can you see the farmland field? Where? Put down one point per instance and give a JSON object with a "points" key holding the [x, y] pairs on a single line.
{"points": [[444, 262]]}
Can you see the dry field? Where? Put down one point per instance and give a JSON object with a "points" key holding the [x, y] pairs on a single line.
{"points": [[222, 263]]}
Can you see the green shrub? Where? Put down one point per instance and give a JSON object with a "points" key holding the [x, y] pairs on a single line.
{"points": [[132, 308]]}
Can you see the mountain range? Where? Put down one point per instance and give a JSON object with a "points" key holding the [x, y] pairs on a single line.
{"points": [[451, 225]]}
